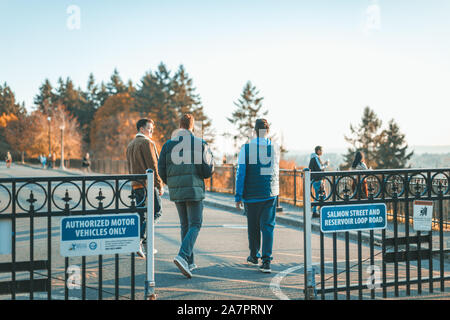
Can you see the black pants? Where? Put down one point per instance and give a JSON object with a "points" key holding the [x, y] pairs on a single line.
{"points": [[141, 205]]}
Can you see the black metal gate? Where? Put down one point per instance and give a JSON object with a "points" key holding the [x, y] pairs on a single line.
{"points": [[33, 207], [366, 264]]}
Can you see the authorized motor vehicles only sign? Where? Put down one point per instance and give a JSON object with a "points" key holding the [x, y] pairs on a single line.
{"points": [[99, 234]]}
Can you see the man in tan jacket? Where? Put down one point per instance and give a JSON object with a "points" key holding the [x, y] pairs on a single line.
{"points": [[142, 155]]}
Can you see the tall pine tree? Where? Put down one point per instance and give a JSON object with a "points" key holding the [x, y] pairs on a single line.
{"points": [[8, 103], [249, 108], [184, 99], [366, 137], [115, 84], [45, 100], [153, 100], [392, 151]]}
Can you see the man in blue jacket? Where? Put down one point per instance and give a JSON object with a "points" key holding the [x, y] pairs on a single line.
{"points": [[257, 186]]}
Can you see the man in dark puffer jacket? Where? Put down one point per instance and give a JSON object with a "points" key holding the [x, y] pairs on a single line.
{"points": [[185, 161]]}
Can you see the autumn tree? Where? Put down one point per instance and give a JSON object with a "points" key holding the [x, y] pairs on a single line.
{"points": [[6, 119], [113, 127], [10, 110], [16, 132], [34, 134]]}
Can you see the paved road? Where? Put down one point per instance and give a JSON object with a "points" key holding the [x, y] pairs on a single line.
{"points": [[221, 252]]}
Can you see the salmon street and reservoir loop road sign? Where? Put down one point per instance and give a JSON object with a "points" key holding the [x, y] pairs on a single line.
{"points": [[353, 217]]}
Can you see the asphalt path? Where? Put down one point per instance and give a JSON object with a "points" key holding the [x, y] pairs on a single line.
{"points": [[220, 253]]}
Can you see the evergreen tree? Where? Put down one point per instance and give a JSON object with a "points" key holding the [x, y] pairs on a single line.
{"points": [[249, 108], [91, 104], [8, 103], [392, 151], [185, 100], [101, 95], [45, 100], [115, 84], [91, 91], [74, 100], [153, 100], [366, 138]]}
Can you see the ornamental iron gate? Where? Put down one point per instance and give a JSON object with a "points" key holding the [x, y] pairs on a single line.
{"points": [[368, 263], [32, 209]]}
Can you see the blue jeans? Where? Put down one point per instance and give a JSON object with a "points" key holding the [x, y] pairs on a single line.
{"points": [[191, 218], [261, 220], [140, 202]]}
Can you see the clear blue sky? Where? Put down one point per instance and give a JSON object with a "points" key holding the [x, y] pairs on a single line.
{"points": [[317, 63]]}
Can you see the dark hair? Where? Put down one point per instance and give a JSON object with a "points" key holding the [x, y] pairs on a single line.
{"points": [[142, 123], [317, 148], [358, 158], [261, 124], [187, 121]]}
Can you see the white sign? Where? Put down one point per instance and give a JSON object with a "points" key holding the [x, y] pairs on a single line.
{"points": [[423, 215], [99, 234], [5, 236]]}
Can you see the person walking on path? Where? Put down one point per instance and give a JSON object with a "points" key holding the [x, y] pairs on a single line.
{"points": [[49, 161], [142, 155], [257, 187], [359, 163], [184, 163], [8, 159], [43, 161], [86, 164], [315, 165]]}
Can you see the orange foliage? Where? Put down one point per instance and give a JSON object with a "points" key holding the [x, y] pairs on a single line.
{"points": [[223, 180], [6, 118], [30, 134], [287, 164], [114, 126]]}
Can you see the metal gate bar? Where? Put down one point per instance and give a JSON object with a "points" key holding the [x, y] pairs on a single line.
{"points": [[392, 187], [37, 199]]}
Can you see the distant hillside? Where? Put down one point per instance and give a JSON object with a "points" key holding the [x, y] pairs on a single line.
{"points": [[431, 149], [418, 160], [430, 160]]}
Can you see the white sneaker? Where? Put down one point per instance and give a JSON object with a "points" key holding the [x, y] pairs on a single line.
{"points": [[183, 266], [141, 253], [192, 267]]}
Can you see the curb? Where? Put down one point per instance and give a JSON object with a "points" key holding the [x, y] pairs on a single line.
{"points": [[57, 170]]}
